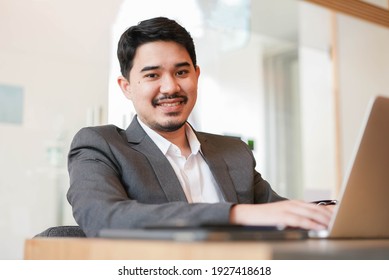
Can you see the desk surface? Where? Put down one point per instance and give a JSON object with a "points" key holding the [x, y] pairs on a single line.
{"points": [[86, 248]]}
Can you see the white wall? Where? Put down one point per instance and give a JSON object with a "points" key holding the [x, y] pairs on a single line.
{"points": [[363, 73], [58, 51], [318, 125], [317, 98]]}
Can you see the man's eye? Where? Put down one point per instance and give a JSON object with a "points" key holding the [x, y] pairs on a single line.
{"points": [[151, 75], [182, 72]]}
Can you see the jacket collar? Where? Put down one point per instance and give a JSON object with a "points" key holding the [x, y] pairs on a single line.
{"points": [[168, 180]]}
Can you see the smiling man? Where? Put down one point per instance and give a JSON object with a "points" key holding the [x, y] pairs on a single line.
{"points": [[160, 171]]}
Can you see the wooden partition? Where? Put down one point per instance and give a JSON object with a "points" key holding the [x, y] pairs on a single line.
{"points": [[360, 9]]}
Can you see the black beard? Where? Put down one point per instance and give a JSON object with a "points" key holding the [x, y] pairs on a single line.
{"points": [[169, 127]]}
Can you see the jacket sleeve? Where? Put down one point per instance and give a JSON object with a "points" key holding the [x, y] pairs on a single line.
{"points": [[263, 193]]}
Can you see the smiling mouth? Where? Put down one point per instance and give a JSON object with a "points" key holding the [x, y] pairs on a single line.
{"points": [[170, 101], [170, 104]]}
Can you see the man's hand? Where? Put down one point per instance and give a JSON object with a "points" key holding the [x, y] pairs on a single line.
{"points": [[291, 213]]}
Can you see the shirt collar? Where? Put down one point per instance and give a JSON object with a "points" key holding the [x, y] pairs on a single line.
{"points": [[164, 145]]}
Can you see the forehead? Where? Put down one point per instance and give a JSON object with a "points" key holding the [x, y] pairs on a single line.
{"points": [[160, 53]]}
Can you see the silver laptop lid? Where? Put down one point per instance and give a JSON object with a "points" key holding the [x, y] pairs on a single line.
{"points": [[363, 210]]}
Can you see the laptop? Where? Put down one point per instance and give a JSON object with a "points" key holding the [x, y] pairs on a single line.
{"points": [[363, 204]]}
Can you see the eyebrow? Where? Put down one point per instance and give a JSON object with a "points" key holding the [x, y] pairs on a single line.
{"points": [[177, 65]]}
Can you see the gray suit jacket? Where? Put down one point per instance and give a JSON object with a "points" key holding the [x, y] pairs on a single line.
{"points": [[120, 179]]}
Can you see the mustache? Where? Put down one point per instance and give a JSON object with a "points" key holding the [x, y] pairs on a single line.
{"points": [[166, 97]]}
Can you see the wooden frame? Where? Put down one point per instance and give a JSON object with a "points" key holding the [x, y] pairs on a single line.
{"points": [[336, 98], [357, 8]]}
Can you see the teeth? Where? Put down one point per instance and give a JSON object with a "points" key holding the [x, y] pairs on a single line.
{"points": [[170, 104]]}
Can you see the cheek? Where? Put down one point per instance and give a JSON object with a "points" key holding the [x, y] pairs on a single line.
{"points": [[191, 86], [145, 89], [142, 95]]}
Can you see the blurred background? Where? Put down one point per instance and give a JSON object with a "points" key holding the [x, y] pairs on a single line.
{"points": [[291, 77]]}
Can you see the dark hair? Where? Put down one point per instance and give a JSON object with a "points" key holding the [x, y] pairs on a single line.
{"points": [[151, 30]]}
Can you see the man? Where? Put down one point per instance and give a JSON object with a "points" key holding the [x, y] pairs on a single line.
{"points": [[160, 171]]}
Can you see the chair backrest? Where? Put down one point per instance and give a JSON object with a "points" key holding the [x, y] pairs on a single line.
{"points": [[62, 231]]}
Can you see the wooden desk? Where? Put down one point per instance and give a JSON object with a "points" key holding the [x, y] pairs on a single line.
{"points": [[336, 249], [85, 248]]}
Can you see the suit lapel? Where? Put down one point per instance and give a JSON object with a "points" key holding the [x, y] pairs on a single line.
{"points": [[218, 168], [167, 178], [161, 166]]}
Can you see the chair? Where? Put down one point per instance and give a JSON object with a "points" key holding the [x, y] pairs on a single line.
{"points": [[62, 231]]}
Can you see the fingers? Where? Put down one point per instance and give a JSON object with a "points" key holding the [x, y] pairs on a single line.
{"points": [[307, 215], [290, 213]]}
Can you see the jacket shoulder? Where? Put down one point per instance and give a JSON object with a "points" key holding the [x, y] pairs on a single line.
{"points": [[107, 133], [103, 130], [217, 138]]}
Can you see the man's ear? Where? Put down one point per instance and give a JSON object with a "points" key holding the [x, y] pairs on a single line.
{"points": [[198, 71], [125, 86]]}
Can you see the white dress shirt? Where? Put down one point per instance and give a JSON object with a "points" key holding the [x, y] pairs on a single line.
{"points": [[193, 172]]}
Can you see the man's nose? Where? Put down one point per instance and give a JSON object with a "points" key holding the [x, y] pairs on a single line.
{"points": [[169, 84]]}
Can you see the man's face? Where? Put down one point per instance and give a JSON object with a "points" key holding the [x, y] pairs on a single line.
{"points": [[162, 85]]}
